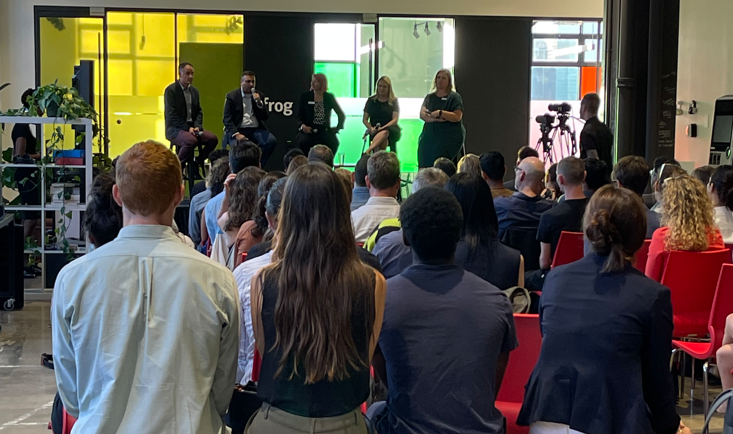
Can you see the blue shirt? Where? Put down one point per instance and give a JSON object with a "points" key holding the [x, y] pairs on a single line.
{"points": [[195, 208], [212, 216], [520, 210], [393, 255], [442, 334], [359, 197]]}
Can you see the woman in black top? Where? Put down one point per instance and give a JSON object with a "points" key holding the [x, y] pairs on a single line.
{"points": [[381, 113], [314, 116], [317, 313], [607, 334], [443, 133], [28, 179], [479, 250]]}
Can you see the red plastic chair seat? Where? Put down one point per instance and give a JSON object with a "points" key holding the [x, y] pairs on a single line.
{"points": [[510, 410], [690, 323], [698, 350], [569, 248]]}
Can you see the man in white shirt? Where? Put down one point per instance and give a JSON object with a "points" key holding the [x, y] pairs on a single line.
{"points": [[383, 181], [146, 329]]}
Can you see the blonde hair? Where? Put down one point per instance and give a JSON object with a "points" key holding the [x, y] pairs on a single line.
{"points": [[321, 77], [446, 71], [470, 163], [688, 213], [391, 98]]}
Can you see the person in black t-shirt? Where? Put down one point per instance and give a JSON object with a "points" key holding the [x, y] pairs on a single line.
{"points": [[28, 179], [381, 113], [443, 133], [596, 139]]}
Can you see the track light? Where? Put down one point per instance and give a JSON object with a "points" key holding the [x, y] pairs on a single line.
{"points": [[439, 26], [427, 29], [415, 33]]}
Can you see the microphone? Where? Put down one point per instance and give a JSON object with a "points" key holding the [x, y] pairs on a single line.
{"points": [[258, 101], [366, 133]]}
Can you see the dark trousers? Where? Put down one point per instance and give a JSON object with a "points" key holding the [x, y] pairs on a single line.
{"points": [[307, 141], [186, 143], [262, 138]]}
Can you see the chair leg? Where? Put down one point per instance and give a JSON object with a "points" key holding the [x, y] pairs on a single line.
{"points": [[705, 403], [682, 376], [692, 381]]}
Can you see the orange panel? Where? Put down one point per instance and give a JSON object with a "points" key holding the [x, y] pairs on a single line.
{"points": [[589, 78]]}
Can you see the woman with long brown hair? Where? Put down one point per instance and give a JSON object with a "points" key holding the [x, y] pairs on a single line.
{"points": [[381, 113], [316, 313], [442, 111], [687, 220]]}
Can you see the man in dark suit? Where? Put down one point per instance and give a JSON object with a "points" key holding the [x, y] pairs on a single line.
{"points": [[596, 139], [184, 119], [245, 115]]}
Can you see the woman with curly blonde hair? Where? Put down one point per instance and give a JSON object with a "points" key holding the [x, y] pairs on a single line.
{"points": [[687, 221]]}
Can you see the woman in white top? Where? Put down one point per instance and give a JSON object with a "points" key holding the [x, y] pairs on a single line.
{"points": [[720, 190]]}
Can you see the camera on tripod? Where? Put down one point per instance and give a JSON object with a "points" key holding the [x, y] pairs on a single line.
{"points": [[562, 108], [558, 140], [545, 119]]}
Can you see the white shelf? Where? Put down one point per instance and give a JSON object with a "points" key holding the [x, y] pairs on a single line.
{"points": [[47, 166], [48, 207], [42, 120]]}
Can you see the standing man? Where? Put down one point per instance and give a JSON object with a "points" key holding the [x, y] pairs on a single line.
{"points": [[156, 350], [596, 139], [184, 119], [245, 115]]}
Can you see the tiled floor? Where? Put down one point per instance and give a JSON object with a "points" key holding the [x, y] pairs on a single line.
{"points": [[27, 389]]}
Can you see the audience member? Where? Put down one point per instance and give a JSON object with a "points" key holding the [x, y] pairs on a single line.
{"points": [[493, 170], [650, 199], [103, 373], [598, 174], [321, 154], [567, 216], [552, 189], [665, 172], [703, 174], [632, 172], [445, 330], [724, 359], [720, 190], [524, 152], [215, 183], [470, 163], [215, 155], [316, 314], [243, 154], [388, 242], [524, 207], [479, 251], [687, 220], [348, 176], [103, 216], [290, 155], [446, 166], [607, 331], [298, 161], [383, 180], [360, 193]]}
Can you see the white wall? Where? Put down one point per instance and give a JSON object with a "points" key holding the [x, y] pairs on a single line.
{"points": [[705, 71]]}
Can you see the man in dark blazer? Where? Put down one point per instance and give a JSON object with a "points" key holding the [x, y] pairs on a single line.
{"points": [[245, 115], [184, 119]]}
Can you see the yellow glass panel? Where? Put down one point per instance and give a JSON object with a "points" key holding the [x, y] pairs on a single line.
{"points": [[153, 76], [118, 42], [89, 41], [158, 30], [210, 28], [122, 18], [58, 50], [120, 77]]}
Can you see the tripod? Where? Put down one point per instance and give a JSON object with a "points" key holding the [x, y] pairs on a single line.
{"points": [[560, 135]]}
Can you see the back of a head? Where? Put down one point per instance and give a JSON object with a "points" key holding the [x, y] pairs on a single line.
{"points": [[288, 157], [703, 174], [526, 151], [297, 161], [572, 169], [432, 221], [662, 160], [244, 154], [346, 175], [470, 163], [383, 169], [218, 154], [688, 213], [591, 102], [429, 177], [597, 173], [103, 217], [722, 180], [218, 175], [615, 225], [668, 171], [446, 166], [267, 182], [534, 171], [360, 171], [321, 154], [243, 197], [319, 278], [480, 224], [632, 172], [493, 165], [149, 179], [275, 197]]}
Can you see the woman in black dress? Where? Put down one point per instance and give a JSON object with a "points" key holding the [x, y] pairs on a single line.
{"points": [[443, 133], [314, 116], [381, 113], [28, 179]]}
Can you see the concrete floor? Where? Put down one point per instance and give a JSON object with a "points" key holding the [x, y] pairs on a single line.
{"points": [[27, 389]]}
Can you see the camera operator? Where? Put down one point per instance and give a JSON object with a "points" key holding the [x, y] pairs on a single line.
{"points": [[596, 139]]}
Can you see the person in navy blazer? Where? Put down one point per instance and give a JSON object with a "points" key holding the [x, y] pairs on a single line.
{"points": [[607, 335]]}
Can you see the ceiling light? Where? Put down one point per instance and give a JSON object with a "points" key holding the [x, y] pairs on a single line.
{"points": [[439, 26], [415, 33], [427, 29]]}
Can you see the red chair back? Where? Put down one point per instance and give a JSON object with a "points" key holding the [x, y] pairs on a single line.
{"points": [[641, 256], [692, 278], [722, 306], [569, 248], [67, 422], [522, 359], [256, 365]]}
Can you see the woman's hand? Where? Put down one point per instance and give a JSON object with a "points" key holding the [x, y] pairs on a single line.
{"points": [[228, 183], [684, 429]]}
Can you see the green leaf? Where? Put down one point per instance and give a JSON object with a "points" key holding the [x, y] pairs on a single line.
{"points": [[8, 155], [68, 215], [59, 194]]}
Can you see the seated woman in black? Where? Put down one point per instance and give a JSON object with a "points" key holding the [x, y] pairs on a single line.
{"points": [[316, 314], [314, 117], [479, 250], [28, 179], [607, 333], [381, 113]]}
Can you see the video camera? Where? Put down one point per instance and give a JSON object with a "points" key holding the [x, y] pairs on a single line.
{"points": [[560, 108], [545, 119]]}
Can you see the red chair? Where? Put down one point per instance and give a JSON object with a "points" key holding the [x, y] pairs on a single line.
{"points": [[641, 256], [256, 365], [569, 248], [521, 363], [67, 423], [692, 278], [722, 307]]}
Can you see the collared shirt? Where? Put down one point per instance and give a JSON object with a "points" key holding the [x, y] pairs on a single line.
{"points": [[187, 95], [145, 336], [394, 256], [249, 120], [243, 274], [211, 214], [520, 210], [368, 217], [196, 207], [359, 197]]}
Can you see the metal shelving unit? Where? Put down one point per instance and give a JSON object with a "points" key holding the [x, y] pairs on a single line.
{"points": [[52, 206]]}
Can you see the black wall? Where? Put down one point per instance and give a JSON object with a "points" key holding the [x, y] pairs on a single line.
{"points": [[493, 61]]}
